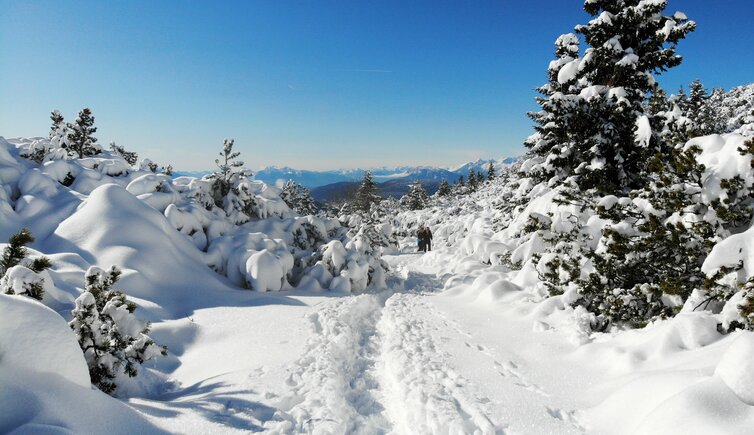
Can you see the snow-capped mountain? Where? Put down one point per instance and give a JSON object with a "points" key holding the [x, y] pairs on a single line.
{"points": [[313, 179]]}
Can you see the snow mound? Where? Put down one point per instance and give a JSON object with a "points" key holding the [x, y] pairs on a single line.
{"points": [[112, 227], [36, 338], [736, 368]]}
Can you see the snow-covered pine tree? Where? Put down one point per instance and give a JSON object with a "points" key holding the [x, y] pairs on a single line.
{"points": [[58, 130], [81, 143], [472, 181], [228, 169], [459, 186], [444, 188], [366, 195], [113, 340], [490, 171], [18, 276], [598, 140], [718, 112], [129, 156], [480, 179], [298, 198], [658, 102], [416, 198], [593, 105], [229, 185], [549, 158]]}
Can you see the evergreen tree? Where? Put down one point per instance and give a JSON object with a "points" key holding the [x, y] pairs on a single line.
{"points": [[16, 250], [58, 131], [444, 189], [298, 198], [81, 143], [601, 143], [658, 102], [702, 112], [114, 342], [592, 105], [130, 157], [480, 178], [366, 195], [228, 185], [29, 283], [472, 180], [490, 171], [416, 198]]}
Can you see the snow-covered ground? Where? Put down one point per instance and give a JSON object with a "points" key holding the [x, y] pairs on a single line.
{"points": [[455, 342], [417, 359]]}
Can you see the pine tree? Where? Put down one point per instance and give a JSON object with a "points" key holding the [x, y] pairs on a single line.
{"points": [[480, 178], [80, 139], [226, 189], [472, 180], [491, 171], [601, 143], [130, 157], [658, 102], [112, 339], [416, 198], [444, 189], [58, 131], [366, 195], [16, 250], [298, 198], [593, 104], [13, 257]]}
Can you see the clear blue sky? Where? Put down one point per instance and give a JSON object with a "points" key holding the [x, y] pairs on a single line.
{"points": [[314, 84]]}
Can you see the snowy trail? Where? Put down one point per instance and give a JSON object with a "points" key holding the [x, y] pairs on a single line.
{"points": [[334, 389], [374, 366], [423, 392], [408, 360]]}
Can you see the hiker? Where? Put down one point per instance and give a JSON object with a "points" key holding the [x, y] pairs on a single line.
{"points": [[427, 239], [420, 240]]}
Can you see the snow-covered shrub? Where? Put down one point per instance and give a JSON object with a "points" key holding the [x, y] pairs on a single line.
{"points": [[113, 340], [416, 198], [252, 260], [298, 198], [129, 156], [19, 274]]}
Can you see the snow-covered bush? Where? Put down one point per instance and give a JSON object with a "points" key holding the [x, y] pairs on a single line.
{"points": [[298, 198], [113, 340], [20, 275], [129, 156], [416, 198]]}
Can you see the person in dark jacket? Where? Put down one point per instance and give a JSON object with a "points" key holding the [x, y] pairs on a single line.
{"points": [[420, 239], [427, 239]]}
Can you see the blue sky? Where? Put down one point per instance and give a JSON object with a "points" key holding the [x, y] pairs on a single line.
{"points": [[314, 84]]}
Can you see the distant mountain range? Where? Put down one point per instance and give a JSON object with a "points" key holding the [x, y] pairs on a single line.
{"points": [[338, 184]]}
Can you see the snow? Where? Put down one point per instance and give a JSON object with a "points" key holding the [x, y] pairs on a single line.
{"points": [[736, 368], [568, 71], [462, 339], [643, 131], [37, 339]]}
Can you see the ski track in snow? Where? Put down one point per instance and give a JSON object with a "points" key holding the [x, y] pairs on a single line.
{"points": [[423, 393], [333, 385], [374, 367]]}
